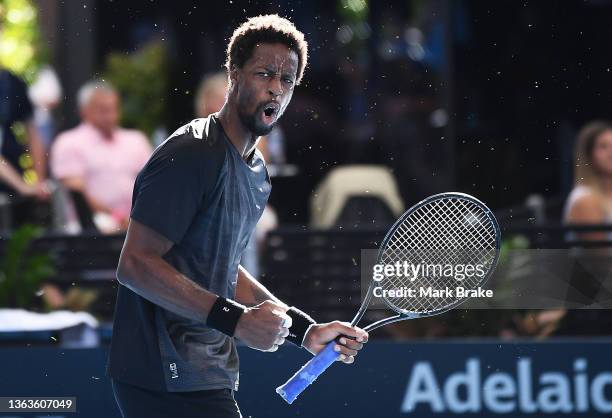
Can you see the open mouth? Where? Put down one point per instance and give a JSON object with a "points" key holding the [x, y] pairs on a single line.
{"points": [[270, 110]]}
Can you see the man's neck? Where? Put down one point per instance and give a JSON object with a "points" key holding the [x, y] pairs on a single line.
{"points": [[243, 139], [107, 136]]}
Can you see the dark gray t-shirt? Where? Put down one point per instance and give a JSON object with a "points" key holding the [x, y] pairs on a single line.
{"points": [[197, 191]]}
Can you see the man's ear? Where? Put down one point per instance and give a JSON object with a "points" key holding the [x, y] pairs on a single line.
{"points": [[234, 75]]}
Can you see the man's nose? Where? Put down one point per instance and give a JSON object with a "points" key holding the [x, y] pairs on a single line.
{"points": [[275, 88]]}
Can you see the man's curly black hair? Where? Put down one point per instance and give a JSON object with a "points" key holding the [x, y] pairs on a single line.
{"points": [[266, 29]]}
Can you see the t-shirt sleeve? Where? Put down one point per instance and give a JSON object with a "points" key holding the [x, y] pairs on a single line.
{"points": [[172, 187], [67, 159]]}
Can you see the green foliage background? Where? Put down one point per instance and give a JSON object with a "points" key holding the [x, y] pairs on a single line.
{"points": [[141, 78], [22, 273], [21, 51]]}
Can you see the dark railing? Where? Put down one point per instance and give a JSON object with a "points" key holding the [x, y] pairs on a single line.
{"points": [[88, 261], [555, 235], [317, 270], [320, 270]]}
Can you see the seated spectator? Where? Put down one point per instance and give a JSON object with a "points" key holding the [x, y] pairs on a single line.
{"points": [[99, 159], [590, 202], [211, 94]]}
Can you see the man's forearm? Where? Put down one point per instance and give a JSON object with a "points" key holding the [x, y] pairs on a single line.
{"points": [[153, 278], [78, 184], [11, 176], [250, 292]]}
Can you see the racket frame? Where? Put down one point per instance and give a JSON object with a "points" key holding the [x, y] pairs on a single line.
{"points": [[326, 357], [413, 315]]}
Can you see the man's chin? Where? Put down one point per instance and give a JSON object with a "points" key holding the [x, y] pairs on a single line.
{"points": [[255, 126], [261, 130]]}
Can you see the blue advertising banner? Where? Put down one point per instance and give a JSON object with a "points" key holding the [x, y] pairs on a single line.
{"points": [[441, 379]]}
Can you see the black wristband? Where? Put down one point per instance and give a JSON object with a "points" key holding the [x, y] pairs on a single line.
{"points": [[299, 325], [224, 315]]}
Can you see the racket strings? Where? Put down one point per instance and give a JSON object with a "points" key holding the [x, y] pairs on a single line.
{"points": [[444, 232], [475, 236]]}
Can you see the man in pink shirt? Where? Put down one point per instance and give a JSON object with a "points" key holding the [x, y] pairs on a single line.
{"points": [[98, 158]]}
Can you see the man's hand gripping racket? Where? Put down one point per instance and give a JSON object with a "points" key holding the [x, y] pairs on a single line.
{"points": [[447, 229]]}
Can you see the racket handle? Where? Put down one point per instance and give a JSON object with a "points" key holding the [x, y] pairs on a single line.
{"points": [[308, 373]]}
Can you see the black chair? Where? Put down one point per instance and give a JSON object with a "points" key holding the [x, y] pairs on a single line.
{"points": [[83, 212]]}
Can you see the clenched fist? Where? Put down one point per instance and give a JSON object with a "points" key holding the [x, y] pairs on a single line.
{"points": [[264, 327]]}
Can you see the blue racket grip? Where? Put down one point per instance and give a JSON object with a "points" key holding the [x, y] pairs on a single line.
{"points": [[308, 373]]}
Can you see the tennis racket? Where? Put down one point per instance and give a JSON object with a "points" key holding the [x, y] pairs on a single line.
{"points": [[431, 245]]}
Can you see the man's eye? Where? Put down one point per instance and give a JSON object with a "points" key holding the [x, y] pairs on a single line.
{"points": [[288, 80], [263, 74]]}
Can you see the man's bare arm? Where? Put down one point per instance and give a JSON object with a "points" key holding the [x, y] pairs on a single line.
{"points": [[250, 292], [78, 184], [9, 175], [143, 270]]}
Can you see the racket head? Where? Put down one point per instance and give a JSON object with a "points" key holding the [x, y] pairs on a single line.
{"points": [[451, 219]]}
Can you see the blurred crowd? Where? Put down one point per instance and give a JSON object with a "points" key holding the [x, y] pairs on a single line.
{"points": [[96, 161], [365, 139], [91, 167]]}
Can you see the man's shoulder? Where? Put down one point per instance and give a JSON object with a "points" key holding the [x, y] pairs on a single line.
{"points": [[196, 144], [71, 137], [131, 133], [200, 137], [207, 129], [133, 140]]}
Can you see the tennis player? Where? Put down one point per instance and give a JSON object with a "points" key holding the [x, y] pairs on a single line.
{"points": [[183, 298]]}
